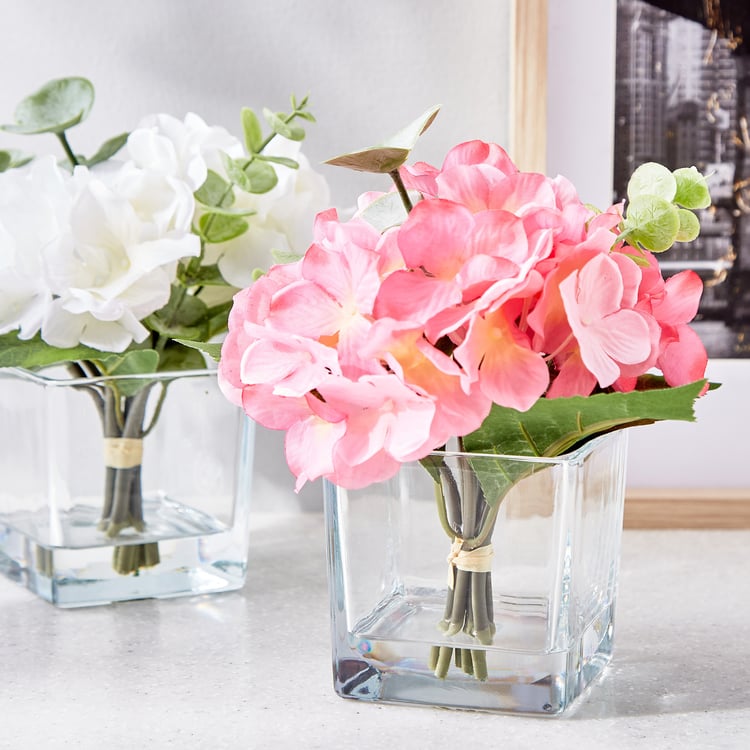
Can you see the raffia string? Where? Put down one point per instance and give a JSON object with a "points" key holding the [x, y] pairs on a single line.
{"points": [[123, 453], [477, 560]]}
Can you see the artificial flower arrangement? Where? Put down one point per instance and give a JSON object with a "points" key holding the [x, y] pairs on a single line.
{"points": [[124, 262], [477, 305]]}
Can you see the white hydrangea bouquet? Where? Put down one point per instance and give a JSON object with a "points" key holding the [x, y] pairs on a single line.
{"points": [[126, 262]]}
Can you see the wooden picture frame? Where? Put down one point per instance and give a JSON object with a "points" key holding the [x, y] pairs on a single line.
{"points": [[708, 484]]}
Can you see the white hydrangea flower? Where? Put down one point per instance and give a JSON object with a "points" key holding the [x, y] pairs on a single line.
{"points": [[128, 230], [185, 149], [35, 205], [283, 218]]}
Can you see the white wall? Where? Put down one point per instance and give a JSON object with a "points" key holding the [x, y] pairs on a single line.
{"points": [[369, 67]]}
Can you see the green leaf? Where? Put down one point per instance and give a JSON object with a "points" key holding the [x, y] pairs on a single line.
{"points": [[34, 353], [107, 150], [261, 177], [283, 160], [178, 356], [217, 227], [390, 154], [215, 192], [652, 179], [57, 106], [285, 256], [554, 426], [690, 227], [12, 158], [652, 222], [133, 362], [285, 129], [212, 350], [692, 188], [209, 275], [184, 316], [251, 130]]}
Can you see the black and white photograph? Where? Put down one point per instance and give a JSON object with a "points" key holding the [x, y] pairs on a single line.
{"points": [[681, 99]]}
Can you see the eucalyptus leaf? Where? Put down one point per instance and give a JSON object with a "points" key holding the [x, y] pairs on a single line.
{"points": [[251, 130], [35, 353], [107, 150], [15, 158], [652, 179], [215, 191], [216, 227], [57, 106], [690, 227], [285, 256], [236, 171], [262, 177], [692, 188], [652, 222], [281, 127], [392, 153], [552, 427], [283, 160]]}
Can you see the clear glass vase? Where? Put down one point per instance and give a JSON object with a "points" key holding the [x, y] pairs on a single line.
{"points": [[122, 488], [519, 618]]}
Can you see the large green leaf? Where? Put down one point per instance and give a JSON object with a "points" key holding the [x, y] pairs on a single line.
{"points": [[55, 107], [34, 353], [554, 426], [390, 154]]}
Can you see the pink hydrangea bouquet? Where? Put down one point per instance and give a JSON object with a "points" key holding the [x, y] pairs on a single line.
{"points": [[125, 262], [490, 289], [473, 303]]}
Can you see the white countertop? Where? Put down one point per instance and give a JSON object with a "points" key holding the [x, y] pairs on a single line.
{"points": [[251, 669]]}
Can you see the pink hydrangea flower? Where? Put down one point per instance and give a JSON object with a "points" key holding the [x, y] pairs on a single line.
{"points": [[499, 287]]}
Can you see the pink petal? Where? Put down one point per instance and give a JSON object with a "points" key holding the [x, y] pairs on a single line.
{"points": [[412, 296]]}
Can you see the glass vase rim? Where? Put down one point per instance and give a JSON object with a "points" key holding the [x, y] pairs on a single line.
{"points": [[572, 455], [65, 382]]}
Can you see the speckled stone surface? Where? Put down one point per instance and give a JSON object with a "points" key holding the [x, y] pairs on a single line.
{"points": [[251, 669]]}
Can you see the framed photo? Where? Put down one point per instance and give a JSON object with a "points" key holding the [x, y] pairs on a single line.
{"points": [[675, 469]]}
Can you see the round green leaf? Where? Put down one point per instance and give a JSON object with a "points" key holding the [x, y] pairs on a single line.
{"points": [[5, 160], [652, 179], [692, 188], [652, 222], [690, 227], [261, 175], [57, 106]]}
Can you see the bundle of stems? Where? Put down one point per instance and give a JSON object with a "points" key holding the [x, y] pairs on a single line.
{"points": [[469, 521], [122, 409]]}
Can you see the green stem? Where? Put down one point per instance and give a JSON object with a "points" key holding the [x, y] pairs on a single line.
{"points": [[402, 191], [68, 150]]}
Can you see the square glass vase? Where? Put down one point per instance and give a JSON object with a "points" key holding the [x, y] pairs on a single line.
{"points": [[478, 581], [118, 488]]}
